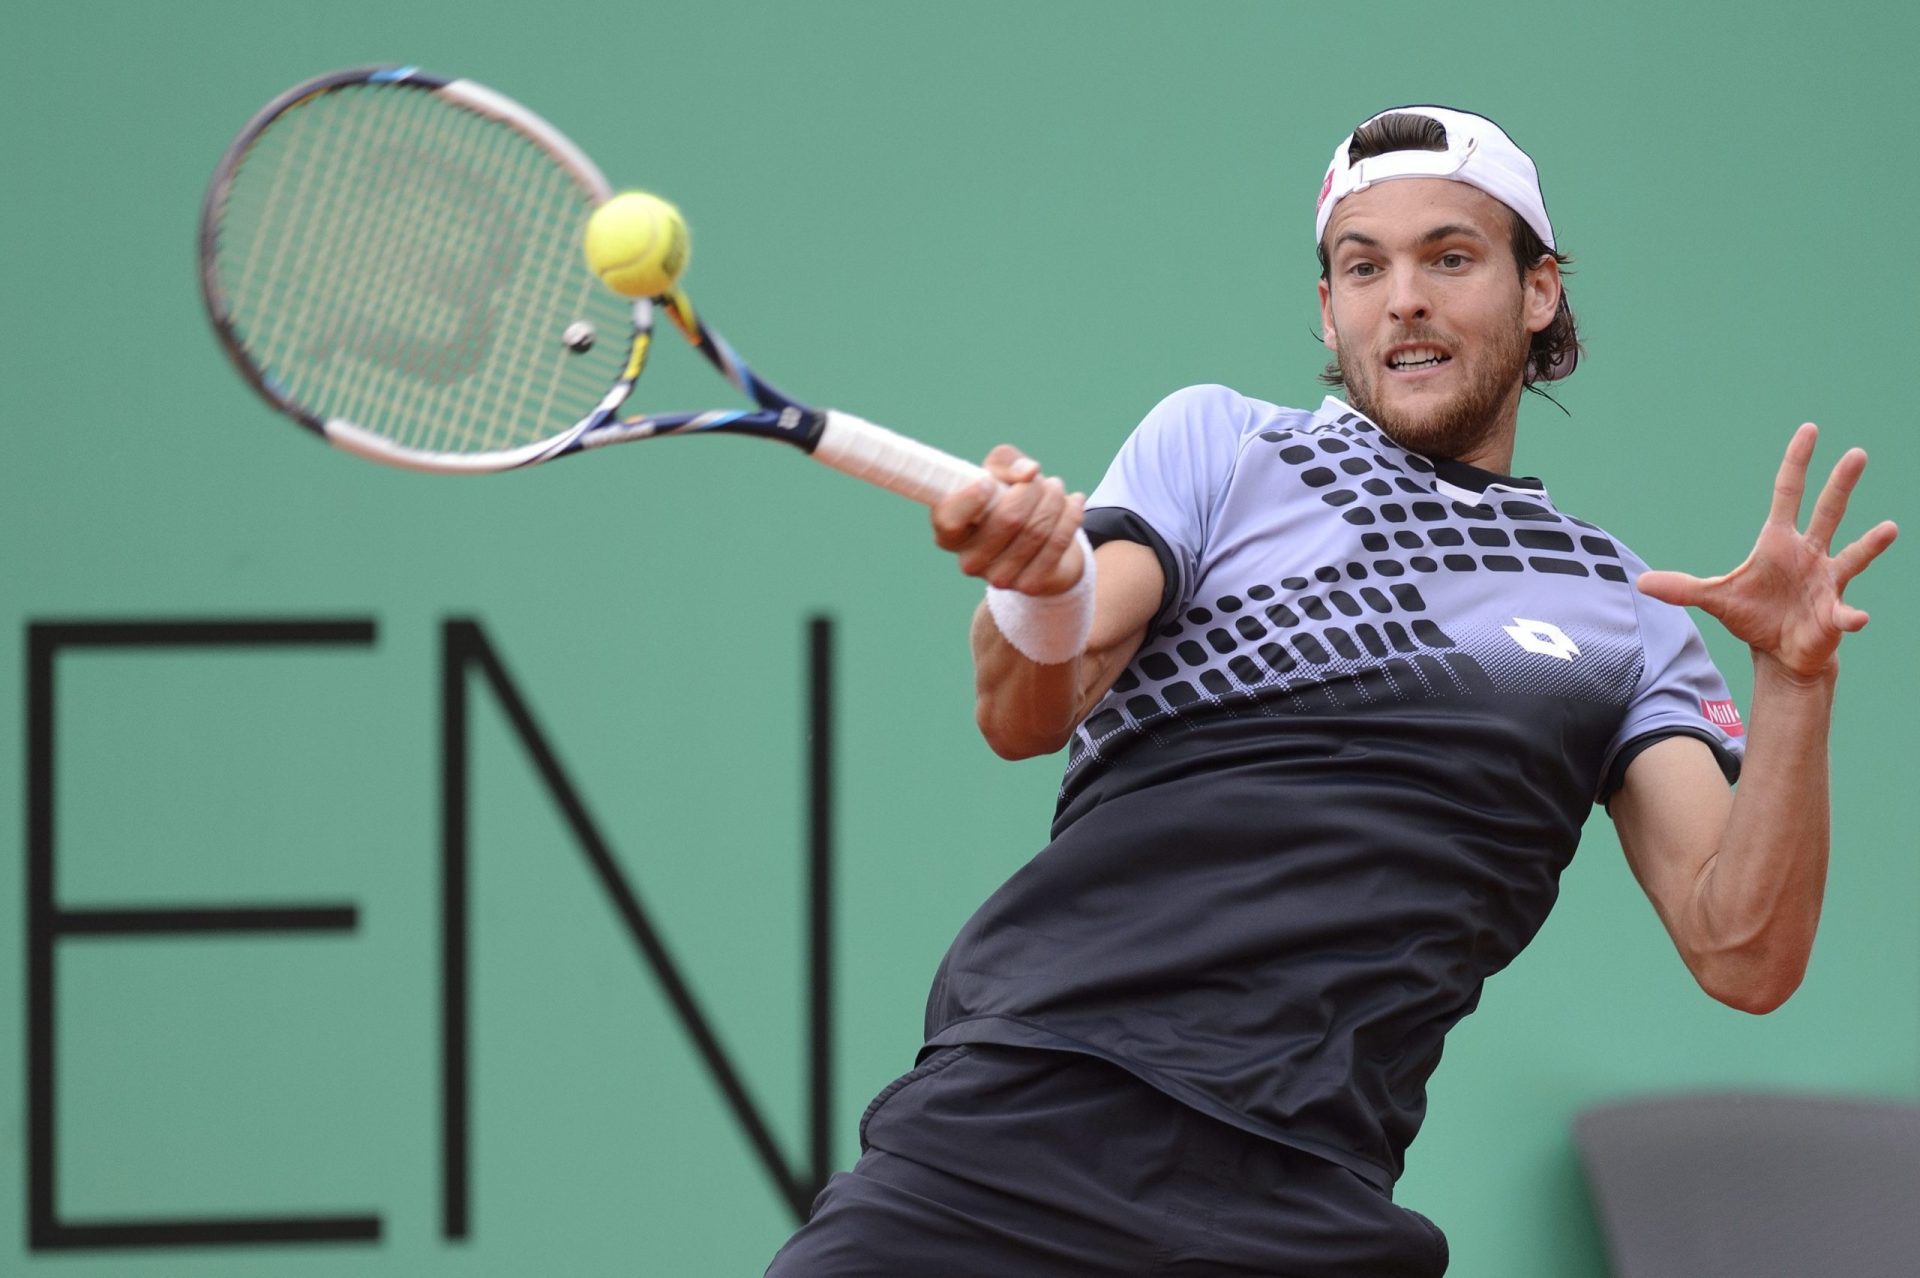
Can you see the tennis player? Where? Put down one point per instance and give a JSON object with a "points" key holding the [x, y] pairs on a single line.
{"points": [[1338, 691]]}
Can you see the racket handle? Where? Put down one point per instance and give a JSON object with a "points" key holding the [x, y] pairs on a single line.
{"points": [[892, 461]]}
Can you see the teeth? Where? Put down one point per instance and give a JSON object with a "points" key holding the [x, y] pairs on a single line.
{"points": [[1418, 357]]}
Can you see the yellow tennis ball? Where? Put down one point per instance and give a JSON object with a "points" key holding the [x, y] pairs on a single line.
{"points": [[637, 244]]}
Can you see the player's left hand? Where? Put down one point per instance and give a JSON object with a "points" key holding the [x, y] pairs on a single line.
{"points": [[1785, 600]]}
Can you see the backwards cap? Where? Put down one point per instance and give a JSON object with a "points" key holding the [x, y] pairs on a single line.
{"points": [[1478, 153]]}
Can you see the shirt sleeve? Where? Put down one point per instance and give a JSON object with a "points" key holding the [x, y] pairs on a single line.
{"points": [[1170, 476], [1681, 692]]}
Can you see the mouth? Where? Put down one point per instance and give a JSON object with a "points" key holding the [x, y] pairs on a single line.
{"points": [[1415, 358]]}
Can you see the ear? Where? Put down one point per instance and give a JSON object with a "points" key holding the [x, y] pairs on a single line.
{"points": [[1327, 336], [1541, 294]]}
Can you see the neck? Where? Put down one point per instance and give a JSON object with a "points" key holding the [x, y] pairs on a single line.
{"points": [[1485, 441], [1495, 451]]}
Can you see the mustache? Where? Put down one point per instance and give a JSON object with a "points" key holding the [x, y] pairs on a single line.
{"points": [[1428, 336]]}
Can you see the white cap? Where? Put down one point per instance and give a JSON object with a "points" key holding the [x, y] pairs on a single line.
{"points": [[1478, 153]]}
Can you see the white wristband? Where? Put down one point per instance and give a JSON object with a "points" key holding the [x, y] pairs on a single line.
{"points": [[1048, 630]]}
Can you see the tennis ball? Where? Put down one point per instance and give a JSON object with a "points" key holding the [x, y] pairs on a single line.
{"points": [[637, 244]]}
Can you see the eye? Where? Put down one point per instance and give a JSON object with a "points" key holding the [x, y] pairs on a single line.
{"points": [[1363, 270], [1453, 261]]}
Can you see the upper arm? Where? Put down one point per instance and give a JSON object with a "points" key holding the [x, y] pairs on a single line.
{"points": [[1127, 590], [1151, 515], [1670, 812]]}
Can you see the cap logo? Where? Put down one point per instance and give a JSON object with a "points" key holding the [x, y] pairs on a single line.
{"points": [[1326, 186]]}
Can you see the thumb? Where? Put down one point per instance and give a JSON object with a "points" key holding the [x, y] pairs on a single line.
{"points": [[1672, 587]]}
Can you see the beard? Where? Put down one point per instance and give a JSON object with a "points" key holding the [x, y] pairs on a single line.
{"points": [[1460, 424]]}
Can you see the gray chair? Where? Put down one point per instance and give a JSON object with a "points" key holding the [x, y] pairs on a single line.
{"points": [[1724, 1185]]}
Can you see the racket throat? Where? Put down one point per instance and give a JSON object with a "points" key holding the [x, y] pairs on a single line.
{"points": [[802, 427]]}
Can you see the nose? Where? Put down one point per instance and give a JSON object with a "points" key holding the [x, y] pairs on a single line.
{"points": [[1408, 301]]}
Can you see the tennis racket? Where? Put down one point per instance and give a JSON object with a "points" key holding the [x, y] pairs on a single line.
{"points": [[394, 260]]}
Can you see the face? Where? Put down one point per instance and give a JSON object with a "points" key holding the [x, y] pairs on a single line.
{"points": [[1429, 317]]}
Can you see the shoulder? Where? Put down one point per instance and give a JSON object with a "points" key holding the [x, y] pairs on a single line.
{"points": [[1219, 413], [1666, 631]]}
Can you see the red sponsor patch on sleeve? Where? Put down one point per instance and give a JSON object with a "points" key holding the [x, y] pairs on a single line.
{"points": [[1723, 715]]}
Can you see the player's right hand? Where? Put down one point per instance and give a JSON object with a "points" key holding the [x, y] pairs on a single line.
{"points": [[1016, 529]]}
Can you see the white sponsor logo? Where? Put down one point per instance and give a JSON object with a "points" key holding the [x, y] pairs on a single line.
{"points": [[1543, 637]]}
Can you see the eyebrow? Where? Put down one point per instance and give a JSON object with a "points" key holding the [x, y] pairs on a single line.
{"points": [[1452, 230]]}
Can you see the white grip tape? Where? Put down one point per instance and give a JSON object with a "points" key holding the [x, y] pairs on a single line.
{"points": [[1048, 630], [894, 462]]}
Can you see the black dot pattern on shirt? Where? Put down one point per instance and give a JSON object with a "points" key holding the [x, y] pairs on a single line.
{"points": [[1313, 641]]}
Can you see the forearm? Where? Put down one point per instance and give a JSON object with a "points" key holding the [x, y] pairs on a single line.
{"points": [[1756, 903], [1739, 879], [1022, 708]]}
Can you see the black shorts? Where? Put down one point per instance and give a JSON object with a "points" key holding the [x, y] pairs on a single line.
{"points": [[988, 1161]]}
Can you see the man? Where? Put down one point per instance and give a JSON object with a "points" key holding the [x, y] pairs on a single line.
{"points": [[1339, 692]]}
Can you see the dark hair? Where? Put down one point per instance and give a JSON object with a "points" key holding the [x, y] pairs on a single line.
{"points": [[1559, 340]]}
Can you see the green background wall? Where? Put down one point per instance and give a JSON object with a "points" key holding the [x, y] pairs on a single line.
{"points": [[978, 222]]}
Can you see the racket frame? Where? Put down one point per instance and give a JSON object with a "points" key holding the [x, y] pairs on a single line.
{"points": [[847, 443]]}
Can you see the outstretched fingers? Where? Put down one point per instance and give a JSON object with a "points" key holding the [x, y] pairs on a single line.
{"points": [[1866, 548], [1674, 587], [1847, 618], [1791, 480], [1831, 508]]}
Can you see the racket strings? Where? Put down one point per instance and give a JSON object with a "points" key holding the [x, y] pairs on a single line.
{"points": [[402, 263], [362, 230], [344, 239], [552, 260]]}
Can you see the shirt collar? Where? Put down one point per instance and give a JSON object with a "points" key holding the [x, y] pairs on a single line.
{"points": [[1453, 479]]}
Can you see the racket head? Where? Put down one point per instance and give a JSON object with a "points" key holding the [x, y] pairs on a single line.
{"points": [[393, 259]]}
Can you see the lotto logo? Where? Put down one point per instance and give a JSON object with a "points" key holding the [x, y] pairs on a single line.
{"points": [[1542, 637], [1723, 714]]}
